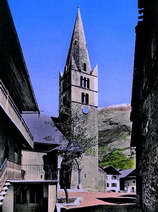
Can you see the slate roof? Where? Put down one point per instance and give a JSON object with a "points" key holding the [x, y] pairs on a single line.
{"points": [[111, 170], [125, 173], [78, 52], [43, 129]]}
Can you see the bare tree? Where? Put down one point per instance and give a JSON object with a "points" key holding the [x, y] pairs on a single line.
{"points": [[74, 126]]}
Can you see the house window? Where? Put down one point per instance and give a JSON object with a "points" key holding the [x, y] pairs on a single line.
{"points": [[84, 82], [84, 98], [84, 67], [107, 185], [134, 181], [114, 177], [133, 190], [114, 185]]}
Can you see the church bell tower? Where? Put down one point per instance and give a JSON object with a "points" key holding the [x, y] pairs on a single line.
{"points": [[79, 89]]}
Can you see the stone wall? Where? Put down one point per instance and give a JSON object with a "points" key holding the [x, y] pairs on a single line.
{"points": [[89, 162], [101, 180], [145, 106]]}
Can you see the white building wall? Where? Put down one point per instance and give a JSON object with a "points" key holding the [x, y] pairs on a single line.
{"points": [[112, 183], [130, 185]]}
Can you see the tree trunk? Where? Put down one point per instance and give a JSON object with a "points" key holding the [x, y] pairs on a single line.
{"points": [[79, 178], [66, 194]]}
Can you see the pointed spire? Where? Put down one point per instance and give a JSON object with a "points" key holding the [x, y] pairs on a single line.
{"points": [[78, 56]]}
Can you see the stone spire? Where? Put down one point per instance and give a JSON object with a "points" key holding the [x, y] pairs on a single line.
{"points": [[78, 58]]}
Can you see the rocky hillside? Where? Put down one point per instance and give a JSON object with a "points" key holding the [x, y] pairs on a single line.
{"points": [[114, 129]]}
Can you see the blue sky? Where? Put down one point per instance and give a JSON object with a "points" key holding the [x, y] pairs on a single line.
{"points": [[45, 27]]}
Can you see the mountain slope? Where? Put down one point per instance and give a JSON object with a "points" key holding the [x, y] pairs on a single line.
{"points": [[114, 130]]}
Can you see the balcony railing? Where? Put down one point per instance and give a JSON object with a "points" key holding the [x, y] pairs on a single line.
{"points": [[9, 171], [14, 114]]}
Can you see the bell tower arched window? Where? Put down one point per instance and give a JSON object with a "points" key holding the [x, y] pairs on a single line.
{"points": [[84, 67], [87, 99], [81, 81], [84, 98], [84, 82]]}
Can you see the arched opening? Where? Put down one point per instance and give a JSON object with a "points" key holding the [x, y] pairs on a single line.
{"points": [[84, 67]]}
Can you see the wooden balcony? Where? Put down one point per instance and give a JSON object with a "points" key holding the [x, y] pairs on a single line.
{"points": [[10, 109], [10, 171]]}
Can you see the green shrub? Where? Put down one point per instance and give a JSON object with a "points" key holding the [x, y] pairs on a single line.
{"points": [[118, 160]]}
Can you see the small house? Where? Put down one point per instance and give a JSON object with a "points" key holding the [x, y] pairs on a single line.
{"points": [[112, 179], [128, 180]]}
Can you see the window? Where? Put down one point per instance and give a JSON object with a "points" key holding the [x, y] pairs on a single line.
{"points": [[114, 185], [114, 177], [88, 83], [84, 67], [133, 189], [134, 181], [84, 98], [81, 81], [87, 99], [107, 185], [84, 82], [75, 42]]}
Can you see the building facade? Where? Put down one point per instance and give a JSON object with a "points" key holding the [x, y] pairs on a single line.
{"points": [[16, 97], [145, 105], [112, 179], [128, 180], [79, 94]]}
